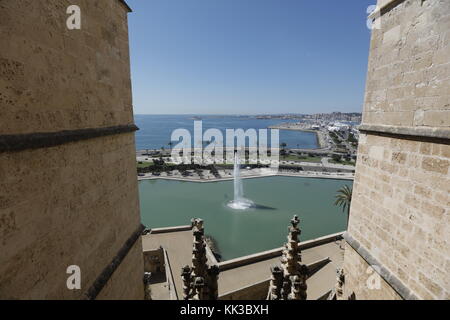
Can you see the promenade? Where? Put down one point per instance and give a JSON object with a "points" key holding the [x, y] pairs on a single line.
{"points": [[248, 174]]}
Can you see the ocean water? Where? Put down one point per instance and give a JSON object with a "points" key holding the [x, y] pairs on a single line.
{"points": [[155, 130], [166, 203]]}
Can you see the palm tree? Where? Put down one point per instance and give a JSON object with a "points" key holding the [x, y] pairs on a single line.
{"points": [[283, 150], [343, 199]]}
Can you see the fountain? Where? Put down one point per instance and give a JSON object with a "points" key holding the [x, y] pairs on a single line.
{"points": [[239, 202]]}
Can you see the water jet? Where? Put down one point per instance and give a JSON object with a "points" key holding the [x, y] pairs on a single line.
{"points": [[239, 202]]}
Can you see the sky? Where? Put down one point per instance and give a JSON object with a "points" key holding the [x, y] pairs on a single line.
{"points": [[248, 56]]}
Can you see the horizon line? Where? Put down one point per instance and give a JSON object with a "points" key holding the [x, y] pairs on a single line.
{"points": [[239, 114]]}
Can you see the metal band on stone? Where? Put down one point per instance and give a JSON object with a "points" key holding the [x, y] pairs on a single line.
{"points": [[384, 7], [436, 135], [389, 5], [126, 5], [107, 272], [20, 142]]}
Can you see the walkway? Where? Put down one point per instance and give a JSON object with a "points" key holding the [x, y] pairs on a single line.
{"points": [[319, 284], [247, 174], [179, 248]]}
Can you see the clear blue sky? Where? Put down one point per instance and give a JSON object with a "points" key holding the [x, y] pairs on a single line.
{"points": [[248, 56]]}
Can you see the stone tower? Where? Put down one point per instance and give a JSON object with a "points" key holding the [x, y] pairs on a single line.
{"points": [[200, 280], [289, 281], [398, 234], [68, 188]]}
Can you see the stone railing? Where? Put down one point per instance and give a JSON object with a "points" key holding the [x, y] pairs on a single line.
{"points": [[171, 229], [260, 289], [242, 261], [169, 276]]}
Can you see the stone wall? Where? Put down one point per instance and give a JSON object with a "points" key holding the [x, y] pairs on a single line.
{"points": [[400, 210], [126, 282], [257, 291], [400, 207], [73, 203], [408, 74], [358, 278], [53, 78]]}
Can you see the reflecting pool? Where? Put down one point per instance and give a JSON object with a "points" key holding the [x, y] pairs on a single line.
{"points": [[237, 233]]}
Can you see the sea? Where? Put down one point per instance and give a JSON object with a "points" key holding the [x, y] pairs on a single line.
{"points": [[155, 130]]}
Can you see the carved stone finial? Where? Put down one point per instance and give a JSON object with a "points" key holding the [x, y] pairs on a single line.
{"points": [[147, 291], [285, 289], [276, 281], [197, 223], [293, 273], [200, 281], [295, 291], [213, 277], [295, 221], [339, 288], [186, 272]]}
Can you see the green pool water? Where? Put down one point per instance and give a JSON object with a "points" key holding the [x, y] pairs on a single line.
{"points": [[237, 233]]}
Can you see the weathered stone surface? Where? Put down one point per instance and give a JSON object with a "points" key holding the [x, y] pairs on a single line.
{"points": [[53, 78], [406, 218], [74, 203], [357, 276], [400, 209], [408, 83]]}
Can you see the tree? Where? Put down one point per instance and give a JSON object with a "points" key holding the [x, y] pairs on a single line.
{"points": [[283, 150], [336, 157], [343, 200]]}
